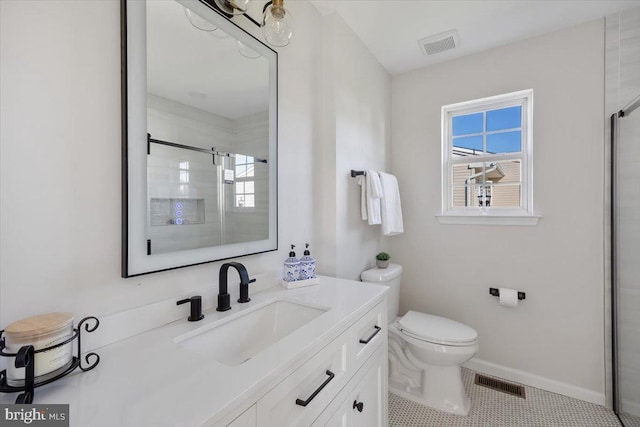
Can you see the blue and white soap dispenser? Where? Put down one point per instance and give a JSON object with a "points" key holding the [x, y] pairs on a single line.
{"points": [[307, 265], [291, 267]]}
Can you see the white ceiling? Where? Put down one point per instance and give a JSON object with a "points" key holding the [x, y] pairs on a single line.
{"points": [[391, 28]]}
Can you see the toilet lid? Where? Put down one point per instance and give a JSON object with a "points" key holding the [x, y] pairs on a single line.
{"points": [[436, 329]]}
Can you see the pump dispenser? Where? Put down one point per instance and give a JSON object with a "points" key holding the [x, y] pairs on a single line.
{"points": [[292, 267], [307, 265]]}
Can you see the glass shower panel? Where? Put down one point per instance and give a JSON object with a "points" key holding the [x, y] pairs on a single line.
{"points": [[183, 198], [627, 267]]}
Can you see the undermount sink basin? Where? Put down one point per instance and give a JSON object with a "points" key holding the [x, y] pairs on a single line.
{"points": [[235, 341]]}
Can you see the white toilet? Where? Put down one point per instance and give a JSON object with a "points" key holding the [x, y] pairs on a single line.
{"points": [[425, 351]]}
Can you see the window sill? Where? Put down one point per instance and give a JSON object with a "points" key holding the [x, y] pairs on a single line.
{"points": [[528, 220]]}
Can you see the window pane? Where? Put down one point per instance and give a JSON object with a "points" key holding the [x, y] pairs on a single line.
{"points": [[248, 187], [467, 124], [504, 142], [508, 171], [249, 170], [241, 171], [239, 187], [249, 159], [482, 195], [463, 174], [249, 201], [239, 201], [468, 196], [505, 118], [506, 196], [240, 159], [474, 173], [460, 197], [467, 145]]}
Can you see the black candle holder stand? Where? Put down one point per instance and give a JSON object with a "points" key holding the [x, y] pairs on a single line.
{"points": [[25, 358]]}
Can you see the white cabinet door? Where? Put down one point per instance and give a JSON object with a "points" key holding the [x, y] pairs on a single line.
{"points": [[369, 400], [366, 405], [342, 417]]}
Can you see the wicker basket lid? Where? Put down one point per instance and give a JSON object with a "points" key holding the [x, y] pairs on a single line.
{"points": [[38, 325]]}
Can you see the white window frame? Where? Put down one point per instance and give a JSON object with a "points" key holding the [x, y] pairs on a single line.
{"points": [[523, 215]]}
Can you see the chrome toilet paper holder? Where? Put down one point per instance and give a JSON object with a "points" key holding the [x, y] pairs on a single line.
{"points": [[496, 293]]}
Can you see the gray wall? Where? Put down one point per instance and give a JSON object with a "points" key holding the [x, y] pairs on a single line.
{"points": [[555, 338]]}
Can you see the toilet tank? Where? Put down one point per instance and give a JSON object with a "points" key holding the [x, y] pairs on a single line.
{"points": [[390, 277]]}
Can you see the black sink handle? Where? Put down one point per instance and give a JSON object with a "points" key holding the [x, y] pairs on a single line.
{"points": [[318, 390]]}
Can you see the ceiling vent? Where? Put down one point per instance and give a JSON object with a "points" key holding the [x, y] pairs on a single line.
{"points": [[439, 42]]}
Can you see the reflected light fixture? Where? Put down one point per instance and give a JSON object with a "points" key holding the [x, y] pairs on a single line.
{"points": [[246, 51], [203, 25], [277, 23], [198, 22], [233, 7]]}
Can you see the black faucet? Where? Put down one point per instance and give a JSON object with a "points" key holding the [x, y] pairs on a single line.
{"points": [[224, 299], [196, 307]]}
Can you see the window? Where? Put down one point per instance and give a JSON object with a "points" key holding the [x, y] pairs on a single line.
{"points": [[245, 182], [183, 176], [486, 160]]}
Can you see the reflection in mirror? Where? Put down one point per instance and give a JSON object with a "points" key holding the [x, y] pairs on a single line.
{"points": [[204, 187]]}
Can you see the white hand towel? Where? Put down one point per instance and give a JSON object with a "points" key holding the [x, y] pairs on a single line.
{"points": [[374, 194], [391, 208], [362, 182]]}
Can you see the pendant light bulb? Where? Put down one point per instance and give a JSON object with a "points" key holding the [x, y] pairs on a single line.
{"points": [[277, 24]]}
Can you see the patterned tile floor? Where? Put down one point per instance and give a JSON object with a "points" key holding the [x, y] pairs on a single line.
{"points": [[491, 408], [630, 420]]}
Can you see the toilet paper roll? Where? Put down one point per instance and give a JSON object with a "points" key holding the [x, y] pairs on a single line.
{"points": [[509, 297]]}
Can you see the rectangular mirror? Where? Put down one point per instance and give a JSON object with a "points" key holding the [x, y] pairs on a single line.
{"points": [[199, 139]]}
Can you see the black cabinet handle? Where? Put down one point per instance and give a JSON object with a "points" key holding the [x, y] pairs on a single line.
{"points": [[358, 405], [378, 329], [318, 390]]}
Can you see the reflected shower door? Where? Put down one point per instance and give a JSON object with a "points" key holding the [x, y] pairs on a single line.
{"points": [[184, 196]]}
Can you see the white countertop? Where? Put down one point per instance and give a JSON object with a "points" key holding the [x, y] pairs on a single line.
{"points": [[148, 380]]}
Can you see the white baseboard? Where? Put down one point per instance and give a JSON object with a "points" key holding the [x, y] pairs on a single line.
{"points": [[536, 381]]}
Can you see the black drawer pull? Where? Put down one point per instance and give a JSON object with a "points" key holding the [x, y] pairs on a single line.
{"points": [[318, 390], [378, 329], [358, 405]]}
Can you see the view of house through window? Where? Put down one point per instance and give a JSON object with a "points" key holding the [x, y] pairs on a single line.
{"points": [[486, 154], [245, 182]]}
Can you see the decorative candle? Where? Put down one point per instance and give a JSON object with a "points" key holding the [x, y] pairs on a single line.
{"points": [[41, 332]]}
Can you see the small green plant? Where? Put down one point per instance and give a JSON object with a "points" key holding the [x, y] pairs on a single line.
{"points": [[383, 256]]}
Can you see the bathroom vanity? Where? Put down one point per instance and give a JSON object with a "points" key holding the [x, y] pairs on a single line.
{"points": [[308, 356]]}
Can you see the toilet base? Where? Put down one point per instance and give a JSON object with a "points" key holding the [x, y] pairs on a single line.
{"points": [[438, 387], [443, 390]]}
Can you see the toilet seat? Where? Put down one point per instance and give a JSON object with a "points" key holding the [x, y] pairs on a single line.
{"points": [[436, 329]]}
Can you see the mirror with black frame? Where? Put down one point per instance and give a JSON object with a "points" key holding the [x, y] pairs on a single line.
{"points": [[199, 137]]}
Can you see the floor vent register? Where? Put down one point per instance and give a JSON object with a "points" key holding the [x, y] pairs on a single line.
{"points": [[499, 385]]}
